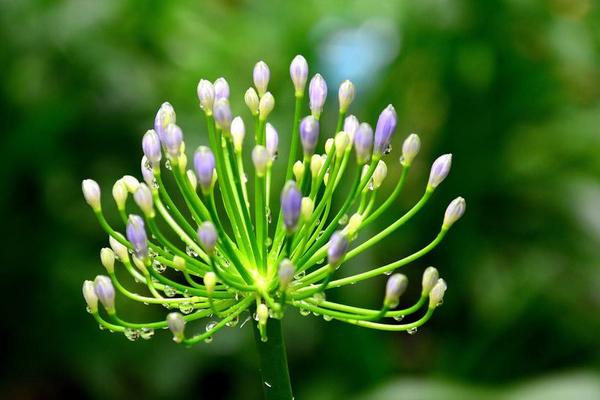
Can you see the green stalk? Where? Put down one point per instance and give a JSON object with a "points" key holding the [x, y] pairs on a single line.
{"points": [[273, 362]]}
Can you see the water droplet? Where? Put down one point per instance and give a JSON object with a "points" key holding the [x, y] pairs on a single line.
{"points": [[264, 339], [319, 297], [154, 184], [300, 274], [158, 267], [190, 252], [320, 234], [233, 322], [146, 333], [388, 149], [327, 317], [152, 253], [208, 339], [88, 310], [210, 325], [371, 186], [245, 179], [304, 313], [316, 314], [169, 291], [412, 331], [321, 261], [131, 334], [268, 214], [402, 159], [388, 273], [267, 384], [168, 165], [101, 327], [268, 242], [343, 220], [186, 308], [255, 316], [399, 317], [147, 165], [186, 293]]}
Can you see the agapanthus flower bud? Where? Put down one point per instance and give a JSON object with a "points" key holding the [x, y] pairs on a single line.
{"points": [[147, 173], [176, 324], [238, 131], [192, 179], [306, 208], [261, 75], [291, 203], [336, 249], [120, 193], [106, 292], [386, 125], [210, 282], [151, 147], [119, 249], [353, 224], [206, 95], [379, 174], [326, 178], [89, 294], [266, 105], [351, 125], [329, 146], [143, 198], [179, 263], [252, 101], [439, 170], [221, 89], [410, 149], [262, 313], [309, 135], [316, 163], [286, 273], [455, 210], [363, 143], [222, 114], [207, 235], [107, 257], [299, 74], [164, 117], [131, 182], [298, 170], [436, 296], [172, 139], [430, 278], [91, 193], [204, 164], [261, 159], [136, 234], [341, 143], [317, 93], [346, 95], [272, 140], [396, 285]]}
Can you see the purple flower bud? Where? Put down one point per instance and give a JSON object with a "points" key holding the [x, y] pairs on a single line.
{"points": [[106, 292], [351, 124], [285, 273], [336, 249], [204, 164], [147, 173], [309, 135], [207, 235], [172, 139], [143, 198], [222, 114], [317, 93], [136, 234], [299, 73], [221, 89], [91, 193], [261, 75], [89, 294], [454, 212], [346, 95], [272, 140], [206, 95], [386, 125], [363, 143], [439, 170], [291, 204], [176, 324], [151, 147], [396, 285], [164, 116]]}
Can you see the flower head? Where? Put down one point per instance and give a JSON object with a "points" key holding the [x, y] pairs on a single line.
{"points": [[386, 125]]}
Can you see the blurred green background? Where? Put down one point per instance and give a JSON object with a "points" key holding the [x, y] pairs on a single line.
{"points": [[510, 87]]}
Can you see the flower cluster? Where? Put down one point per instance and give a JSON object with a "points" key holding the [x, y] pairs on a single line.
{"points": [[216, 251]]}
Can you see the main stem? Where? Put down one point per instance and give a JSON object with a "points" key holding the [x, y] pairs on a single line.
{"points": [[273, 362]]}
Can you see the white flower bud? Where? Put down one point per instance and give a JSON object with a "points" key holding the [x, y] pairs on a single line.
{"points": [[120, 193], [379, 174], [143, 198], [238, 131], [210, 281], [91, 192], [251, 100], [329, 146], [316, 163], [346, 95], [192, 178], [455, 210], [139, 263], [341, 143], [326, 178], [107, 257], [306, 208], [119, 249], [396, 285], [439, 171], [89, 294], [436, 296], [298, 170], [266, 105], [260, 158], [430, 278], [354, 223], [262, 313], [176, 324], [179, 263], [131, 182], [261, 76], [410, 149], [206, 95]]}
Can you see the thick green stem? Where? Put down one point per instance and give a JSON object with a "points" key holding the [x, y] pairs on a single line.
{"points": [[273, 362]]}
